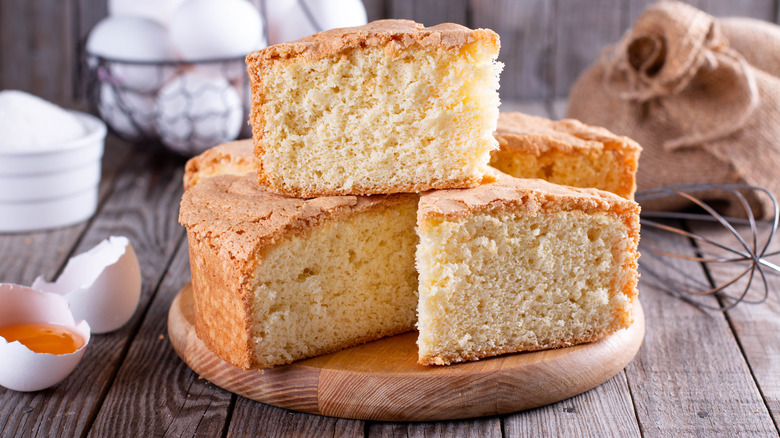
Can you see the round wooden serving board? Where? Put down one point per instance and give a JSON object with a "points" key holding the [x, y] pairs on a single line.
{"points": [[381, 380]]}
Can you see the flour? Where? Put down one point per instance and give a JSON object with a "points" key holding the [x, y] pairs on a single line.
{"points": [[29, 123]]}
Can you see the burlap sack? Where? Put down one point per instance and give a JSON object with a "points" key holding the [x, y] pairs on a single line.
{"points": [[701, 95]]}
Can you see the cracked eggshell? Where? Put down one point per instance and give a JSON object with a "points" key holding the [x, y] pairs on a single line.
{"points": [[22, 369], [102, 285]]}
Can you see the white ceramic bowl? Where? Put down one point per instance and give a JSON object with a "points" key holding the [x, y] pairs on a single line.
{"points": [[54, 187]]}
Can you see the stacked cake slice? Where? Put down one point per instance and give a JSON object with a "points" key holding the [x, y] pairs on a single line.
{"points": [[385, 108], [369, 207], [520, 265]]}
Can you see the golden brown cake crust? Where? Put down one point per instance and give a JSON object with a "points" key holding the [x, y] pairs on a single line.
{"points": [[221, 319], [230, 220], [236, 157], [537, 135], [566, 152], [226, 205], [401, 33], [534, 194]]}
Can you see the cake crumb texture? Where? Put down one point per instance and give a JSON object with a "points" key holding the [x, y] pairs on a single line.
{"points": [[547, 267], [341, 284], [277, 279], [386, 108]]}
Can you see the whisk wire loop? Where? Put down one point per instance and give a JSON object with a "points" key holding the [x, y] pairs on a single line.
{"points": [[750, 252]]}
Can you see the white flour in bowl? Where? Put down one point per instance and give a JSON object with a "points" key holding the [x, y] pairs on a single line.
{"points": [[29, 123]]}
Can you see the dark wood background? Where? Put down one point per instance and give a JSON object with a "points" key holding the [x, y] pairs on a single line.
{"points": [[545, 43]]}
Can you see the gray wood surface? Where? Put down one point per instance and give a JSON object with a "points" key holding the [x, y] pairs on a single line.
{"points": [[546, 44], [479, 428], [597, 413], [690, 377], [753, 325], [580, 30], [526, 45], [430, 12], [150, 395], [37, 48]]}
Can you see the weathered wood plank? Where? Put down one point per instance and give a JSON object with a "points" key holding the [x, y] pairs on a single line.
{"points": [[526, 32], [581, 31], [757, 326], [597, 413], [558, 110], [251, 418], [36, 48], [761, 9], [155, 393], [689, 378], [143, 208], [553, 109], [88, 14], [430, 12], [527, 107], [375, 9], [474, 428]]}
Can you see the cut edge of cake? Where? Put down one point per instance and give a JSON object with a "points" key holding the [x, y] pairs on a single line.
{"points": [[234, 227], [475, 225], [351, 95]]}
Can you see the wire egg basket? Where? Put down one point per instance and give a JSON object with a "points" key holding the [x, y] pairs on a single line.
{"points": [[185, 107]]}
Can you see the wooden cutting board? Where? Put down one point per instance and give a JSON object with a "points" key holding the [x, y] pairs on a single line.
{"points": [[381, 380]]}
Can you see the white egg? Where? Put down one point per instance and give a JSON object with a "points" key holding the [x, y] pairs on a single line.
{"points": [[132, 39], [159, 10], [210, 29], [22, 369], [102, 285], [196, 111], [290, 20], [232, 69], [129, 113]]}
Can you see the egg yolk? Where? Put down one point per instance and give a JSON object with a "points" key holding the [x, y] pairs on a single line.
{"points": [[44, 338]]}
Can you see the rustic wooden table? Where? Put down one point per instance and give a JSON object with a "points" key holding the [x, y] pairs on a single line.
{"points": [[698, 373]]}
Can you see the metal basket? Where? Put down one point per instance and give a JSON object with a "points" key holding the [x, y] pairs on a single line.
{"points": [[144, 103]]}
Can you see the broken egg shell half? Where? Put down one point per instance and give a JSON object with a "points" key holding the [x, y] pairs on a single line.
{"points": [[22, 369], [102, 285]]}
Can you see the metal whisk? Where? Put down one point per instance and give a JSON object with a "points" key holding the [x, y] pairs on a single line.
{"points": [[748, 249]]}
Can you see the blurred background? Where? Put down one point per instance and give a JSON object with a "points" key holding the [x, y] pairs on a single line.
{"points": [[545, 43]]}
